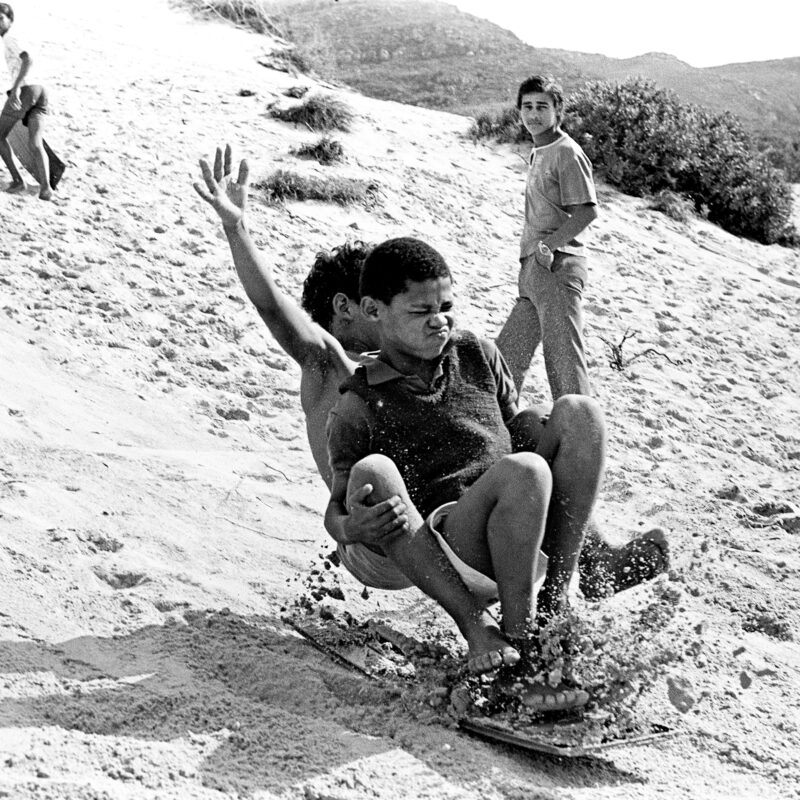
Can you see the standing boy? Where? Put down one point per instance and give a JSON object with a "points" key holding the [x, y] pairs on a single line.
{"points": [[26, 103], [560, 203], [429, 420]]}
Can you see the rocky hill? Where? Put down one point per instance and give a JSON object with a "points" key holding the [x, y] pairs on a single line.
{"points": [[432, 54]]}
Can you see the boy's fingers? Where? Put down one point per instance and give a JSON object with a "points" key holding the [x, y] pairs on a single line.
{"points": [[361, 494], [218, 165], [244, 173], [203, 193], [228, 154], [209, 178]]}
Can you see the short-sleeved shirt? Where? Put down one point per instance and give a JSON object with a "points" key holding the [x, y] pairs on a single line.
{"points": [[13, 49], [351, 421], [559, 175]]}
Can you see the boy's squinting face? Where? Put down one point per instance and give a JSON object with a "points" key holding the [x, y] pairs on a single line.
{"points": [[538, 113], [418, 322], [5, 23]]}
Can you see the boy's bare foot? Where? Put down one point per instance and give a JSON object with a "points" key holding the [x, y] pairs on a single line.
{"points": [[46, 193], [606, 570], [16, 187], [488, 651]]}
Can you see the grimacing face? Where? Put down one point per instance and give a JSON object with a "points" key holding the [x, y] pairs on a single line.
{"points": [[418, 322]]}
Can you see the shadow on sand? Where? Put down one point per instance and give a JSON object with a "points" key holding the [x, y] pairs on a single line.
{"points": [[283, 712]]}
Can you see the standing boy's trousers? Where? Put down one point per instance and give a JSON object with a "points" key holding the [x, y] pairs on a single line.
{"points": [[549, 311]]}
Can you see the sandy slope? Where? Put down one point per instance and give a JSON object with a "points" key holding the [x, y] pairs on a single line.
{"points": [[149, 535]]}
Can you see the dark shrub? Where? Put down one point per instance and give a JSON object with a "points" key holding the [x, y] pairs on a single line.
{"points": [[318, 112], [643, 140], [325, 150], [286, 185]]}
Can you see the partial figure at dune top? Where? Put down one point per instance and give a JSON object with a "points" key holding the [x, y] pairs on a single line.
{"points": [[26, 103]]}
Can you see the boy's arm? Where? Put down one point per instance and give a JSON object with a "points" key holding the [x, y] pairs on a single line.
{"points": [[354, 519], [580, 217], [26, 62], [302, 339]]}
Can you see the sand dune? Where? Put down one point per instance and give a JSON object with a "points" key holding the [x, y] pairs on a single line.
{"points": [[159, 508]]}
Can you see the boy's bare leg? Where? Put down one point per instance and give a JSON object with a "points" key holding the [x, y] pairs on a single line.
{"points": [[419, 556], [519, 338], [573, 443], [603, 569], [17, 182], [36, 126], [497, 528]]}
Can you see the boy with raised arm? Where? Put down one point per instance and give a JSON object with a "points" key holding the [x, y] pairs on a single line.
{"points": [[26, 103], [560, 203], [430, 419]]}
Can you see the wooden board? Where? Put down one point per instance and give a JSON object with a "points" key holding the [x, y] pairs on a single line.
{"points": [[564, 735], [20, 144]]}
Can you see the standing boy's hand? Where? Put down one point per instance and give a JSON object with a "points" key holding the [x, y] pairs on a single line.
{"points": [[544, 255], [226, 196], [15, 99]]}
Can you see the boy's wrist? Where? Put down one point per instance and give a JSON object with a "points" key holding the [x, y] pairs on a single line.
{"points": [[235, 227]]}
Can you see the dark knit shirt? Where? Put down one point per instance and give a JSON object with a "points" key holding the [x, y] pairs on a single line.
{"points": [[442, 438]]}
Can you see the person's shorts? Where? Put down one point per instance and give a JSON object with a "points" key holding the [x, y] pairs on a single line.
{"points": [[34, 101], [379, 572]]}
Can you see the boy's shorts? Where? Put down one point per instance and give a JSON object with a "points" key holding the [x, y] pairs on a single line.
{"points": [[379, 572], [34, 101]]}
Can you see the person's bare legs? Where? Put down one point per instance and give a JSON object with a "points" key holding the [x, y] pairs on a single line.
{"points": [[420, 558], [17, 181], [511, 502], [497, 528], [603, 569], [573, 443], [519, 338], [36, 125]]}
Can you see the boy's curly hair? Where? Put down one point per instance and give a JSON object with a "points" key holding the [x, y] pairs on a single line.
{"points": [[6, 9], [545, 84], [338, 270], [395, 262]]}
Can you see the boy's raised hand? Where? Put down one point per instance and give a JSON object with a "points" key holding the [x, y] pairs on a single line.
{"points": [[226, 196]]}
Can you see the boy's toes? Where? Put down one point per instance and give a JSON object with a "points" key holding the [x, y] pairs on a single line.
{"points": [[492, 660], [548, 698]]}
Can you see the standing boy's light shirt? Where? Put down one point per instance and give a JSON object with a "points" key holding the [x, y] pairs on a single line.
{"points": [[559, 175], [13, 49]]}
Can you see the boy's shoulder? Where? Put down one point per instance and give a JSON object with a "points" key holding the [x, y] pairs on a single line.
{"points": [[567, 144]]}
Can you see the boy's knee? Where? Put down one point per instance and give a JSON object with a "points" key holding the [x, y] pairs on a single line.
{"points": [[520, 472], [380, 471], [577, 411]]}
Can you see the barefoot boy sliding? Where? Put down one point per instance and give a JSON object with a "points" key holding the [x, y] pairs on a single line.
{"points": [[26, 102], [327, 346], [560, 203], [429, 420]]}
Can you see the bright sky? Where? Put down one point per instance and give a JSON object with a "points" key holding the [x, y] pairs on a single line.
{"points": [[702, 33]]}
